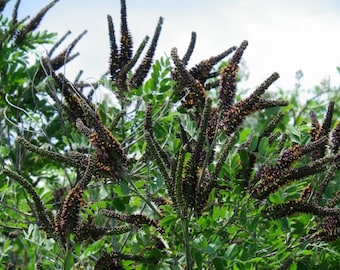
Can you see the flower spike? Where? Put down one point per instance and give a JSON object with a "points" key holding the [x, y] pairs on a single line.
{"points": [[327, 122], [298, 206], [58, 43], [141, 72], [15, 11], [114, 54], [67, 219], [323, 185], [197, 93], [201, 72], [42, 216], [125, 39], [336, 139], [135, 219], [190, 49], [269, 179], [64, 57], [229, 78], [234, 116], [334, 200], [34, 23], [3, 4]]}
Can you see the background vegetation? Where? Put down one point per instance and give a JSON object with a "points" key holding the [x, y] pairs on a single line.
{"points": [[174, 169]]}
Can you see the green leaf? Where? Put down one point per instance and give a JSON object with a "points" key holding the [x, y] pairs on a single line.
{"points": [[253, 143], [168, 220], [253, 225], [119, 203], [255, 260], [211, 248], [285, 224], [94, 247], [244, 134], [235, 267], [78, 249], [216, 213], [275, 198], [244, 156], [164, 88], [188, 125], [219, 263], [307, 252], [124, 185], [198, 259], [263, 146], [293, 266], [229, 251], [69, 261]]}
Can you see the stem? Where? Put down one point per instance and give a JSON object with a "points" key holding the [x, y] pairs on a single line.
{"points": [[123, 108], [178, 200], [185, 228], [146, 200]]}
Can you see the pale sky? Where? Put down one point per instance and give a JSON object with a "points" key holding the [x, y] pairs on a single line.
{"points": [[283, 35]]}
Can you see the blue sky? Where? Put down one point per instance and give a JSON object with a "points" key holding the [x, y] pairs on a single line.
{"points": [[284, 35]]}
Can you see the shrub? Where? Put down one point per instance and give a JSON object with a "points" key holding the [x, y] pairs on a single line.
{"points": [[169, 171]]}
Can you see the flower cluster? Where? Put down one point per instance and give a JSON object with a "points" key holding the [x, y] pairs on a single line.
{"points": [[87, 230], [109, 261], [270, 178], [108, 159], [188, 180], [33, 23], [42, 216], [229, 78], [319, 130], [324, 160], [122, 60], [67, 218], [114, 260], [197, 164], [136, 220], [192, 84], [336, 138]]}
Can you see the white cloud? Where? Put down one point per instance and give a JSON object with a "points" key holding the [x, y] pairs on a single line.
{"points": [[284, 36]]}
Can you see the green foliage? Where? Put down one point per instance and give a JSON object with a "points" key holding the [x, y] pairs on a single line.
{"points": [[170, 171]]}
